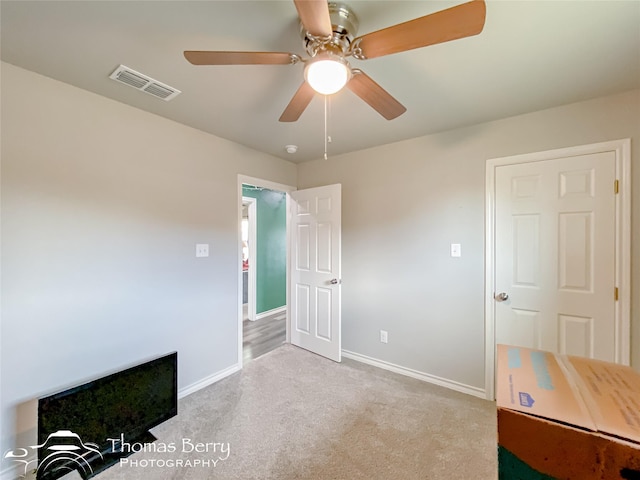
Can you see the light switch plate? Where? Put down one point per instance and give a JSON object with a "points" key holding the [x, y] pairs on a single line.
{"points": [[455, 250], [202, 250]]}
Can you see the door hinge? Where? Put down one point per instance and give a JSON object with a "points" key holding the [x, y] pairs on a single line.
{"points": [[616, 187], [615, 294]]}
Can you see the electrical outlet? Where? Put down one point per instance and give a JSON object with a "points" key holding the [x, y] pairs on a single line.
{"points": [[202, 250], [456, 251], [384, 336]]}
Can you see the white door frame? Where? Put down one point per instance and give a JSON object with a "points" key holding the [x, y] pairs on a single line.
{"points": [[259, 182], [253, 246], [622, 149]]}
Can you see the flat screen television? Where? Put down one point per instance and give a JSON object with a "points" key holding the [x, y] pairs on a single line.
{"points": [[86, 427]]}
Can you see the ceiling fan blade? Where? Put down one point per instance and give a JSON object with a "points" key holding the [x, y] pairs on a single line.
{"points": [[240, 58], [298, 103], [376, 96], [314, 15], [451, 24]]}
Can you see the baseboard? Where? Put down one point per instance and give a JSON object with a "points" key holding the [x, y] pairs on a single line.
{"points": [[273, 311], [11, 473], [205, 382], [16, 472], [425, 377]]}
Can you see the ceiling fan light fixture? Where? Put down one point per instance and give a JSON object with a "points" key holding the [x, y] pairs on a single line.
{"points": [[327, 73]]}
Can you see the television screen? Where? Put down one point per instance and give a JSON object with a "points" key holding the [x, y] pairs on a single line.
{"points": [[93, 418]]}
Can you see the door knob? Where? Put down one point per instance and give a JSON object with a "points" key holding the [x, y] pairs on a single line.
{"points": [[334, 281], [501, 297]]}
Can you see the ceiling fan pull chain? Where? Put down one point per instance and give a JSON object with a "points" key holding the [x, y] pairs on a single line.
{"points": [[326, 136], [329, 115]]}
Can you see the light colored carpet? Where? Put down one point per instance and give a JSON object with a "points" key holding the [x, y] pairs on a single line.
{"points": [[293, 415]]}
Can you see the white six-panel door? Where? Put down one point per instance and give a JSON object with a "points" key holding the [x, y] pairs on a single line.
{"points": [[315, 270], [555, 255]]}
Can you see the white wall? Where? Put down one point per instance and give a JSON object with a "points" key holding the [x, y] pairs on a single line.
{"points": [[404, 203], [102, 205]]}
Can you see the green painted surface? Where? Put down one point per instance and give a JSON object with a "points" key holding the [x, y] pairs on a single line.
{"points": [[271, 261], [511, 467]]}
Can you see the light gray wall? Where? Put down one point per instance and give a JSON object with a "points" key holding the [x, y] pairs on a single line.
{"points": [[102, 206], [405, 203]]}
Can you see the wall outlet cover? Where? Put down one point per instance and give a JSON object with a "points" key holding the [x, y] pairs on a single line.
{"points": [[202, 250]]}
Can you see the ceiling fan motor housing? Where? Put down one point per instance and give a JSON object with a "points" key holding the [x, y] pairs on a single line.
{"points": [[344, 24]]}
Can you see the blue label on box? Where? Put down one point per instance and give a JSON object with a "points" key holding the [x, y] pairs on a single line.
{"points": [[541, 369], [513, 357], [526, 400]]}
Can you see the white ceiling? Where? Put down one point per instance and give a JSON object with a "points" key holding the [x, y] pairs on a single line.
{"points": [[531, 55]]}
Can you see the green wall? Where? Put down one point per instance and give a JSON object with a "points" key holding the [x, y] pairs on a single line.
{"points": [[271, 263]]}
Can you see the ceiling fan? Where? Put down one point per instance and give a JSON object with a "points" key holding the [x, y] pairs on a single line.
{"points": [[328, 31]]}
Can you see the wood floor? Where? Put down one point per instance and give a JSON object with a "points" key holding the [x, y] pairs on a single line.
{"points": [[263, 335]]}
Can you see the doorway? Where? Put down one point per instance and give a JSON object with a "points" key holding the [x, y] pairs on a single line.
{"points": [[558, 253], [312, 247], [264, 253], [263, 267]]}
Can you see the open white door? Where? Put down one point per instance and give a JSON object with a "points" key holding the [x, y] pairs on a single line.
{"points": [[315, 270]]}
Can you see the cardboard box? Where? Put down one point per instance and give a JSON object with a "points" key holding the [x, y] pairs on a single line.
{"points": [[564, 417]]}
